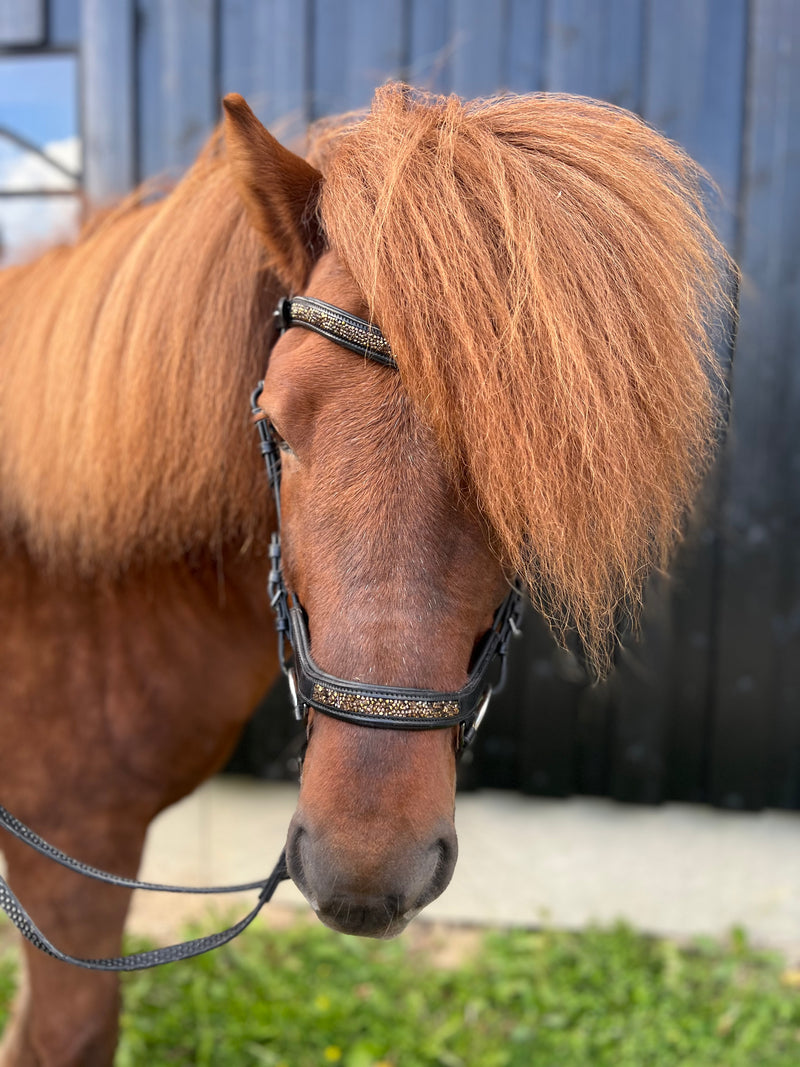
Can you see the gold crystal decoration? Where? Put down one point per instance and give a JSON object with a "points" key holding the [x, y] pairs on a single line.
{"points": [[384, 708], [343, 326]]}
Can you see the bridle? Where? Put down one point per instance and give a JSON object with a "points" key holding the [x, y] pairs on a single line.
{"points": [[390, 707], [379, 706]]}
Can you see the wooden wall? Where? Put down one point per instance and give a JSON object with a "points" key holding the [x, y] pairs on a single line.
{"points": [[707, 707]]}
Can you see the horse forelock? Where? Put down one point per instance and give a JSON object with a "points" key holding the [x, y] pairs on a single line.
{"points": [[545, 272], [127, 361]]}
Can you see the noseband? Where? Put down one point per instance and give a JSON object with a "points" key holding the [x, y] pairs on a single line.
{"points": [[390, 707]]}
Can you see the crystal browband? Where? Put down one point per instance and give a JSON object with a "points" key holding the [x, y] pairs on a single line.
{"points": [[363, 338]]}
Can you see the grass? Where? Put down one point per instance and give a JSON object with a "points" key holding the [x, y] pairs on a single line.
{"points": [[601, 998]]}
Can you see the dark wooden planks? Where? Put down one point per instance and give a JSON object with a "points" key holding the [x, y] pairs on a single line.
{"points": [[189, 89], [22, 22], [430, 46], [177, 82], [247, 48], [265, 55], [693, 85], [356, 45], [756, 711], [548, 696], [478, 41], [594, 49], [378, 47], [64, 22], [525, 46], [151, 156], [694, 89]]}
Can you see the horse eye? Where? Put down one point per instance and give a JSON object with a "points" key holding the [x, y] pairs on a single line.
{"points": [[281, 442]]}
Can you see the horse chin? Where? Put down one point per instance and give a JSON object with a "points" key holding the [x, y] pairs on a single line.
{"points": [[365, 920]]}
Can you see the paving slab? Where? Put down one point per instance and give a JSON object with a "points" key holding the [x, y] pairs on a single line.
{"points": [[678, 870]]}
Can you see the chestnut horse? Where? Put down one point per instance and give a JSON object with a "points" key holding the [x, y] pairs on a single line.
{"points": [[547, 279]]}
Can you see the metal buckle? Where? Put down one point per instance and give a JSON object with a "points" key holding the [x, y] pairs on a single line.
{"points": [[298, 706], [467, 734]]}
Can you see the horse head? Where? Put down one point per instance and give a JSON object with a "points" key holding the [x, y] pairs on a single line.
{"points": [[391, 564], [528, 432]]}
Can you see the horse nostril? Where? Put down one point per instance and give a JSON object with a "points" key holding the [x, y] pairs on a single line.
{"points": [[294, 858], [448, 850], [443, 853]]}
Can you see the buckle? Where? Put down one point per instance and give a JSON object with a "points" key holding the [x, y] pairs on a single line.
{"points": [[467, 734], [298, 705]]}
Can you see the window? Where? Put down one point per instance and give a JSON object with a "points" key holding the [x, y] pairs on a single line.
{"points": [[40, 148]]}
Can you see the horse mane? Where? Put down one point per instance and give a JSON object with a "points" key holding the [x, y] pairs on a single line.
{"points": [[127, 361], [551, 287], [547, 277]]}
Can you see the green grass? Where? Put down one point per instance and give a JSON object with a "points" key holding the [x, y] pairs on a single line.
{"points": [[602, 998]]}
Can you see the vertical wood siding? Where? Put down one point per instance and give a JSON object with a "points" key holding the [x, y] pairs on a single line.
{"points": [[108, 98], [22, 22], [707, 706]]}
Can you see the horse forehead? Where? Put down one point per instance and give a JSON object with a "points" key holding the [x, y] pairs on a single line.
{"points": [[311, 377], [315, 390], [332, 282]]}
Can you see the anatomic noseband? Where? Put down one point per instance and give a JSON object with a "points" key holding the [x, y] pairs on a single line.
{"points": [[382, 706]]}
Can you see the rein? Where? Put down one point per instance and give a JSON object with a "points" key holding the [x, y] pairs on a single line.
{"points": [[136, 961], [376, 706]]}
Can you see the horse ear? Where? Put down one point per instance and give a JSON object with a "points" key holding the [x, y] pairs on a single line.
{"points": [[279, 190]]}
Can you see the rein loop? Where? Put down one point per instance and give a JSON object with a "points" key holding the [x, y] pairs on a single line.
{"points": [[136, 961]]}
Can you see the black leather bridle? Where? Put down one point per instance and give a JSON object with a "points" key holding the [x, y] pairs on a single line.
{"points": [[390, 707]]}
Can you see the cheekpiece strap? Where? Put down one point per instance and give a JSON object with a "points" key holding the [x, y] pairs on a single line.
{"points": [[349, 331]]}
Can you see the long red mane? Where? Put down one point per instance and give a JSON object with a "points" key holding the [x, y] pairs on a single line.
{"points": [[543, 268], [126, 364], [546, 273]]}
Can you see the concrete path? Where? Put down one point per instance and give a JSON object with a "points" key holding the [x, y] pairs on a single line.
{"points": [[677, 869]]}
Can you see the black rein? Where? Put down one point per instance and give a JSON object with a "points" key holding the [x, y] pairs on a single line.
{"points": [[136, 961]]}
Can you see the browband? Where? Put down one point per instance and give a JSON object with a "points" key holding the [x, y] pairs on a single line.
{"points": [[363, 338]]}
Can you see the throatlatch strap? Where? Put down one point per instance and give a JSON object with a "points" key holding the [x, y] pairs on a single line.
{"points": [[136, 961]]}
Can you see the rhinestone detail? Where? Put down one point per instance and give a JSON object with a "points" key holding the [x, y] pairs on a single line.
{"points": [[384, 708], [345, 326]]}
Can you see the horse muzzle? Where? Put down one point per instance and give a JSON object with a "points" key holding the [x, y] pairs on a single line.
{"points": [[375, 889]]}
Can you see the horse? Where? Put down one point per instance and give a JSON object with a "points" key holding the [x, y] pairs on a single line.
{"points": [[545, 274]]}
